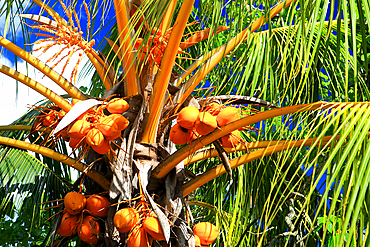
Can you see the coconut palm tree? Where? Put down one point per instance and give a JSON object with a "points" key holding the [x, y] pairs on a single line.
{"points": [[290, 169]]}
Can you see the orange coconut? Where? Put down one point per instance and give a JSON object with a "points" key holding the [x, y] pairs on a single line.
{"points": [[206, 232], [197, 241], [97, 205], [103, 149], [138, 238], [75, 142], [178, 135], [89, 230], [74, 202], [231, 140], [153, 228], [194, 134], [95, 138], [107, 126], [227, 115], [206, 123], [117, 105], [187, 117], [79, 129], [68, 225], [120, 120], [214, 108], [125, 219], [61, 114]]}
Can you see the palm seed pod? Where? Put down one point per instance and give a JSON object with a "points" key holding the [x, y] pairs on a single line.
{"points": [[120, 120], [231, 140], [89, 230], [187, 117], [79, 129], [138, 238], [95, 138], [214, 108], [75, 142], [74, 202], [227, 115], [197, 241], [178, 135], [117, 105], [107, 126], [67, 225], [153, 228], [103, 149], [125, 219], [206, 123], [206, 232], [97, 205]]}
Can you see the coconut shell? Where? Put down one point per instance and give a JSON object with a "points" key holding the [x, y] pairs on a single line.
{"points": [[206, 232], [117, 105], [125, 219], [231, 140], [214, 108], [79, 129], [153, 228], [95, 138], [206, 123], [97, 205], [74, 202], [75, 142], [227, 115], [197, 241], [103, 149], [107, 126], [187, 117], [120, 120], [178, 135], [89, 230], [68, 225], [138, 238]]}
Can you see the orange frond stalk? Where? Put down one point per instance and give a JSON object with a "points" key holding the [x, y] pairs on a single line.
{"points": [[16, 127], [132, 84], [211, 152], [166, 21], [217, 54], [46, 70], [53, 97], [200, 36], [168, 164], [163, 76], [220, 169], [97, 177]]}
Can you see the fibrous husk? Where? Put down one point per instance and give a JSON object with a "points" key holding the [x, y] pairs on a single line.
{"points": [[74, 202], [178, 135], [227, 115], [89, 230], [231, 140], [117, 105], [207, 232], [97, 205], [153, 228], [187, 117], [125, 219], [68, 225], [206, 123]]}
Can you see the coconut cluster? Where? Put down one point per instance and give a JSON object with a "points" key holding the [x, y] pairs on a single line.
{"points": [[79, 216], [192, 123], [96, 129], [142, 229]]}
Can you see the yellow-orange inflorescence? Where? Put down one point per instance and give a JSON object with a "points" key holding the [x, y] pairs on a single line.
{"points": [[68, 36]]}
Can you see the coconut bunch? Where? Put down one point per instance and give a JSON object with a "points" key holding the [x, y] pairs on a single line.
{"points": [[205, 234], [143, 228], [192, 123], [96, 129], [78, 216]]}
